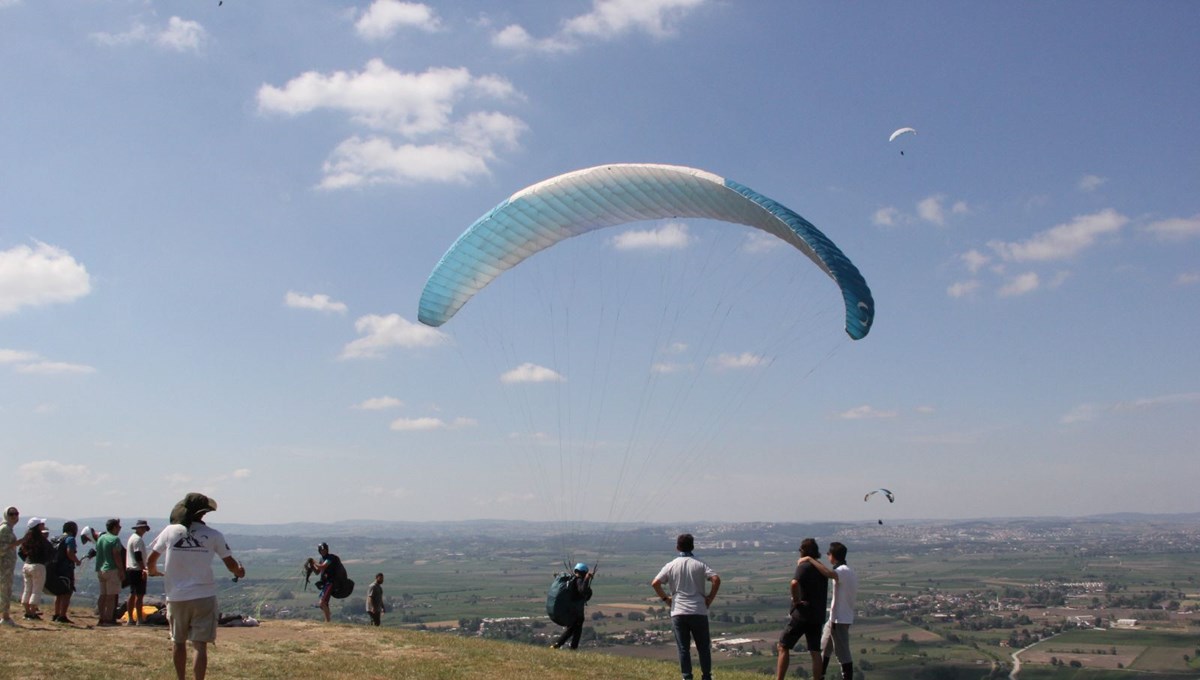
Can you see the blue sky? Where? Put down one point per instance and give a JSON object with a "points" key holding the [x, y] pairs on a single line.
{"points": [[216, 221]]}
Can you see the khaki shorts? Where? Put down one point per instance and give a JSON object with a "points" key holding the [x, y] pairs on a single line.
{"points": [[193, 620], [110, 582]]}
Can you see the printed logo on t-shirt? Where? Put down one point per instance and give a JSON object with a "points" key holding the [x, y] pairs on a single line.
{"points": [[189, 543]]}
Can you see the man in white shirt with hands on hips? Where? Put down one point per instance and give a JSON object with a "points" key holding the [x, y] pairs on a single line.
{"points": [[689, 605], [188, 545]]}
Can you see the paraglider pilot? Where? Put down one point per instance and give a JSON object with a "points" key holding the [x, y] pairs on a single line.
{"points": [[580, 591]]}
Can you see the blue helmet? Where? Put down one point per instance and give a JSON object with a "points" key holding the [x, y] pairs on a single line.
{"points": [[582, 568]]}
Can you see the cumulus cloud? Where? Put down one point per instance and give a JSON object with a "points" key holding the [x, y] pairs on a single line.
{"points": [[671, 236], [179, 35], [381, 333], [933, 209], [974, 260], [32, 363], [379, 403], [886, 217], [1175, 229], [1093, 411], [608, 20], [866, 412], [384, 18], [667, 367], [723, 362], [40, 275], [1062, 241], [319, 302], [427, 424], [759, 242], [531, 373], [1020, 285], [1089, 183], [54, 474], [54, 368], [962, 288], [423, 128]]}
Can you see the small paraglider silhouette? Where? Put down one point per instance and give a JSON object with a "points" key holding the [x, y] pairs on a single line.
{"points": [[887, 494], [900, 132]]}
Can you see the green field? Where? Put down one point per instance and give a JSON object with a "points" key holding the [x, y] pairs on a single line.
{"points": [[927, 609]]}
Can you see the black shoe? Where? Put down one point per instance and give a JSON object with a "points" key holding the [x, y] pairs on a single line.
{"points": [[63, 619]]}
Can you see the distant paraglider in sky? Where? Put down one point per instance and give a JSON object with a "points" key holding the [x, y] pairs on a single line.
{"points": [[900, 133], [887, 494]]}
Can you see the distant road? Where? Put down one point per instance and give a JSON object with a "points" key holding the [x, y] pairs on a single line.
{"points": [[1016, 657]]}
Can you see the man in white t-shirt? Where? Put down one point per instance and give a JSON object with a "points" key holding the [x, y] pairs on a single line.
{"points": [[689, 604], [188, 545], [835, 639], [135, 572]]}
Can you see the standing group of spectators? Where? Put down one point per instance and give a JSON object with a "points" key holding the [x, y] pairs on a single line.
{"points": [[185, 548], [49, 566]]}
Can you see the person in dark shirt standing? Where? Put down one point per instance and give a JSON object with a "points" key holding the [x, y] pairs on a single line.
{"points": [[806, 618]]}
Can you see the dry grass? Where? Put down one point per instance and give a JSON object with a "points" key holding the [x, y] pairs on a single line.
{"points": [[294, 649]]}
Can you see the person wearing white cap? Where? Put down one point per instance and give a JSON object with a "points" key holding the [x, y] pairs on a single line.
{"points": [[37, 551], [8, 559], [135, 574]]}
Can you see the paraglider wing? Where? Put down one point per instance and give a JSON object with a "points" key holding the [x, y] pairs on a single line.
{"points": [[887, 494], [582, 201], [902, 131]]}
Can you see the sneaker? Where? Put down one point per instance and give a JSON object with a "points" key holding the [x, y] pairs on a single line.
{"points": [[8, 622], [63, 619], [31, 617]]}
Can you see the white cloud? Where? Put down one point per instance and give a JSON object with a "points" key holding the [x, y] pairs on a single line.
{"points": [[886, 217], [379, 403], [974, 260], [385, 17], [382, 98], [666, 368], [1062, 241], [760, 242], [1089, 183], [723, 362], [54, 368], [13, 356], [41, 275], [930, 209], [241, 473], [60, 476], [516, 38], [427, 424], [866, 412], [179, 35], [1187, 279], [383, 332], [962, 288], [319, 302], [1020, 285], [531, 373], [671, 236], [609, 19], [1175, 229], [1093, 411], [422, 132]]}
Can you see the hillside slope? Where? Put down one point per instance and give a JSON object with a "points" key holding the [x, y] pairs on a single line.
{"points": [[300, 649]]}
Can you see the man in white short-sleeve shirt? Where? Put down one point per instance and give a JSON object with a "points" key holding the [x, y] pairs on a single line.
{"points": [[686, 576], [188, 545]]}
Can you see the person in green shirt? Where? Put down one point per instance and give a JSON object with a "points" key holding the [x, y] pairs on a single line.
{"points": [[110, 570]]}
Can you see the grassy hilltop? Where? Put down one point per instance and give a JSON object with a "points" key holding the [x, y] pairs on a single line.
{"points": [[300, 649]]}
